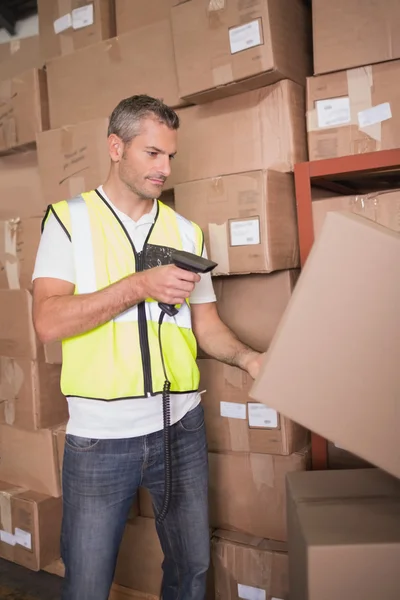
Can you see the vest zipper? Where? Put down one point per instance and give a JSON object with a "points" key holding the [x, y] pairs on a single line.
{"points": [[143, 333]]}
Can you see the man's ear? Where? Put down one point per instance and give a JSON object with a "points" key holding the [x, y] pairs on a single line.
{"points": [[115, 147]]}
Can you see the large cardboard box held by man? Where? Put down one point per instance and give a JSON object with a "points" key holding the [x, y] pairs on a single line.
{"points": [[235, 423], [248, 219], [333, 363], [227, 48], [89, 83], [354, 33], [30, 527], [263, 129], [349, 520], [23, 108], [68, 25], [249, 567], [247, 492], [354, 111]]}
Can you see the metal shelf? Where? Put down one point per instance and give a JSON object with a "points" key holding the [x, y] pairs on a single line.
{"points": [[359, 174]]}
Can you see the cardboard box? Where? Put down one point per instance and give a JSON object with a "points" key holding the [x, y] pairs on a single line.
{"points": [[59, 434], [350, 521], [257, 505], [140, 557], [248, 219], [73, 159], [229, 136], [19, 241], [29, 459], [134, 63], [343, 320], [30, 395], [24, 108], [30, 527], [354, 111], [229, 49], [368, 33], [18, 56], [68, 25], [134, 14], [18, 339], [20, 187], [53, 353], [341, 459], [249, 567], [240, 308], [380, 207], [235, 423]]}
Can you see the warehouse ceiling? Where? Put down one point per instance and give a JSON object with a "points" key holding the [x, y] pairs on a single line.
{"points": [[12, 11]]}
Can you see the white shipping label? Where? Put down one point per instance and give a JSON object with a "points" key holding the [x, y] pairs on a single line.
{"points": [[245, 36], [62, 23], [376, 114], [262, 416], [333, 112], [245, 233], [82, 17], [23, 538], [234, 410], [251, 593], [7, 538]]}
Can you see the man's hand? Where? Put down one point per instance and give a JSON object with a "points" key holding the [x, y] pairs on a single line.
{"points": [[168, 284], [252, 363]]}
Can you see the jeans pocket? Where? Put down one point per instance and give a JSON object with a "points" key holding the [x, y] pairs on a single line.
{"points": [[193, 420], [81, 444]]}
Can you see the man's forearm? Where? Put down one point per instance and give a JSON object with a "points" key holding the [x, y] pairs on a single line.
{"points": [[61, 317]]}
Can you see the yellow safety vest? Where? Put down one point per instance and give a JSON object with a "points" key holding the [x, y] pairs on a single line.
{"points": [[121, 359]]}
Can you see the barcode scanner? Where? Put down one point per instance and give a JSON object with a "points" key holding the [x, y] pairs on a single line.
{"points": [[194, 264]]}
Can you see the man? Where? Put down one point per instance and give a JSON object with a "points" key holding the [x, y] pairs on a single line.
{"points": [[102, 267]]}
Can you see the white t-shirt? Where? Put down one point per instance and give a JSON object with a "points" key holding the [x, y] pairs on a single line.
{"points": [[121, 418]]}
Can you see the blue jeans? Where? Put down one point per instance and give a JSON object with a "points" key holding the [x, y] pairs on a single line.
{"points": [[100, 481]]}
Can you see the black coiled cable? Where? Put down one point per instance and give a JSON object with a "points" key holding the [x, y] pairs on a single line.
{"points": [[166, 401]]}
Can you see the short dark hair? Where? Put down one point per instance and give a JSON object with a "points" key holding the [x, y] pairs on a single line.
{"points": [[126, 117]]}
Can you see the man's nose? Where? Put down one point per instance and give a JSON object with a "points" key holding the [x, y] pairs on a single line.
{"points": [[165, 165]]}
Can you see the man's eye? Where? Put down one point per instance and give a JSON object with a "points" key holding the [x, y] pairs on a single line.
{"points": [[171, 156], [153, 154]]}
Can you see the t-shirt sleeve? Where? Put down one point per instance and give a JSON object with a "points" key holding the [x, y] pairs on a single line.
{"points": [[54, 256], [204, 290]]}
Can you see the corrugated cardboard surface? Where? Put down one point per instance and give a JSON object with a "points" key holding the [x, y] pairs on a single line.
{"points": [[370, 120], [350, 521], [133, 14], [248, 219], [240, 306], [382, 208], [73, 159], [23, 108], [341, 459], [229, 136], [29, 459], [229, 414], [239, 46], [340, 340], [32, 522], [140, 557], [247, 492], [17, 335], [249, 565], [368, 33], [30, 395], [18, 56], [20, 186], [19, 241], [55, 44], [89, 83]]}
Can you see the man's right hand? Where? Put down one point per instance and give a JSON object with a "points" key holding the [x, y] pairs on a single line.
{"points": [[168, 284]]}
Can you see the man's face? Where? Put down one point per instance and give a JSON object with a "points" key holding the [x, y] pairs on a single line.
{"points": [[145, 162]]}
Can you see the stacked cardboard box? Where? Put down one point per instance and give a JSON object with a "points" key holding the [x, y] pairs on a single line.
{"points": [[353, 100]]}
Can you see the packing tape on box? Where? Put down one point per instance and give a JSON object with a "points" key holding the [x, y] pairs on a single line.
{"points": [[215, 5], [238, 428], [65, 38], [6, 509], [15, 46], [219, 247], [8, 252], [11, 382]]}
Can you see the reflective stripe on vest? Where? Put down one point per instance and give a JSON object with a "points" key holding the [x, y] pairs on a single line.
{"points": [[121, 358]]}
